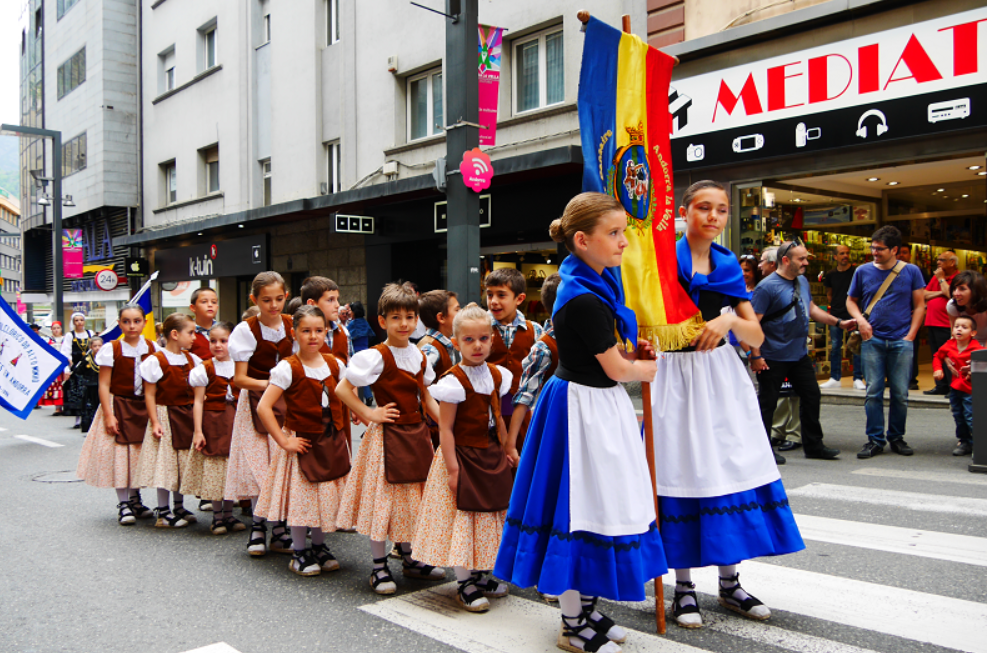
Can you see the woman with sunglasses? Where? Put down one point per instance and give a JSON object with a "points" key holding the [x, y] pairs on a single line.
{"points": [[712, 459]]}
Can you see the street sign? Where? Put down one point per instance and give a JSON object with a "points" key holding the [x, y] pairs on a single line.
{"points": [[106, 280], [477, 170]]}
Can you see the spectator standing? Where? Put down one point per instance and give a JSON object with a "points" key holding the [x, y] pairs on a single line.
{"points": [[888, 333], [837, 282], [969, 297], [783, 303], [769, 261], [956, 352], [905, 256], [937, 323]]}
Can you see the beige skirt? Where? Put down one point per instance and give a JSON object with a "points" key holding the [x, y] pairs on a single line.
{"points": [[289, 496], [103, 462], [447, 536], [251, 454], [373, 506], [160, 465], [204, 476]]}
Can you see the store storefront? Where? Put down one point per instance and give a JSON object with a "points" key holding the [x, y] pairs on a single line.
{"points": [[883, 121]]}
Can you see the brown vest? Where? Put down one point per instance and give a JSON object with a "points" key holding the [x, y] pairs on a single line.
{"points": [[122, 378], [400, 387], [173, 386], [340, 345], [554, 348], [267, 354], [445, 360], [472, 426], [304, 398], [216, 388], [200, 346], [524, 340]]}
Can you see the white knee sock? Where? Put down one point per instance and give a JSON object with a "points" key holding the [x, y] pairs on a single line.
{"points": [[163, 498], [123, 494], [378, 549], [318, 537], [298, 534], [462, 573], [571, 603]]}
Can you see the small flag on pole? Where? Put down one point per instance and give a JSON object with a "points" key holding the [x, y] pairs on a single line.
{"points": [[142, 299]]}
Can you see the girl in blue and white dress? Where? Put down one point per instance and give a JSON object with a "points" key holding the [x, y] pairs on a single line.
{"points": [[720, 494], [581, 522]]}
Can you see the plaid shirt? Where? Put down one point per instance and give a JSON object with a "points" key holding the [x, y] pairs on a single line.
{"points": [[432, 353], [533, 369], [507, 331]]}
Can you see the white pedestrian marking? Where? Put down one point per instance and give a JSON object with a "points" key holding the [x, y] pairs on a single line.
{"points": [[894, 539], [221, 647], [910, 500], [964, 476], [920, 616], [512, 625], [2, 429], [43, 443]]}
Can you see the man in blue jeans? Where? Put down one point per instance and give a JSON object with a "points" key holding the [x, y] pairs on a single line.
{"points": [[837, 282], [888, 333]]}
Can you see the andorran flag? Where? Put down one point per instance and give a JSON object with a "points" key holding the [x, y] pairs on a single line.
{"points": [[624, 121]]}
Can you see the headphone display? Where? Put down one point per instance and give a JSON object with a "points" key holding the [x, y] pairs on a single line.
{"points": [[882, 125]]}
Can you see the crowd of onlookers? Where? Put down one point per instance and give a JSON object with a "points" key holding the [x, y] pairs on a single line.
{"points": [[875, 311]]}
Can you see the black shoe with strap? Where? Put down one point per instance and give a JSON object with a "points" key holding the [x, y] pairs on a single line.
{"points": [[471, 597], [187, 515], [257, 543], [604, 624], [126, 514], [744, 604], [578, 628], [683, 590], [140, 510], [380, 578], [490, 587]]}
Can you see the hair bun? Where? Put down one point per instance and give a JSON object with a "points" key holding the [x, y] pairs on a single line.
{"points": [[555, 230]]}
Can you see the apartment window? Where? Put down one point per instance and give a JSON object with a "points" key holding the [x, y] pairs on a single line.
{"points": [[332, 21], [266, 173], [64, 6], [425, 105], [166, 70], [333, 172], [169, 174], [539, 71], [72, 73], [74, 155], [210, 45], [37, 22], [210, 169], [208, 55], [267, 28]]}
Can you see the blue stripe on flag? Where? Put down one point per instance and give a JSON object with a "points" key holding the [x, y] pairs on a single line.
{"points": [[598, 102]]}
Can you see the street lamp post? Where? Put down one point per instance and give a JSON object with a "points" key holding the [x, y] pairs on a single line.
{"points": [[58, 312]]}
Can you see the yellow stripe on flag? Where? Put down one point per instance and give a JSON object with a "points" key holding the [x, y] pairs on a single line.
{"points": [[150, 331]]}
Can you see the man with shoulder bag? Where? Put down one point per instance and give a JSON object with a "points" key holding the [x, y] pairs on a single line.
{"points": [[887, 300]]}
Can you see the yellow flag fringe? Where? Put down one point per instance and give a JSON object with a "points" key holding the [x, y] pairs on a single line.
{"points": [[671, 337]]}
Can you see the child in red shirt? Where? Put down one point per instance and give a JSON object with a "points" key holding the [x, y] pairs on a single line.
{"points": [[956, 354]]}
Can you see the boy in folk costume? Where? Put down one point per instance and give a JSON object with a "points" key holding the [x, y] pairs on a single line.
{"points": [[436, 310], [469, 485], [514, 336], [204, 307], [384, 489], [111, 452], [88, 372]]}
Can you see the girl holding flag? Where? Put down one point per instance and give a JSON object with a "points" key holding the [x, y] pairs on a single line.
{"points": [[721, 496], [581, 522]]}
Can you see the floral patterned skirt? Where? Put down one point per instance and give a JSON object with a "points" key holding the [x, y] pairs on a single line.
{"points": [[204, 476], [251, 454], [103, 462], [160, 465]]}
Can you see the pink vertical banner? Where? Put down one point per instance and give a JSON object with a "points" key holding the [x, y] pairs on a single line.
{"points": [[21, 306], [72, 253], [491, 40]]}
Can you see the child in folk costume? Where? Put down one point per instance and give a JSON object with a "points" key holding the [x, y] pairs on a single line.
{"points": [[256, 345], [721, 496], [169, 434], [384, 489], [437, 309], [309, 472], [581, 523], [87, 372], [112, 448], [212, 416], [55, 394], [469, 485], [204, 306], [75, 346]]}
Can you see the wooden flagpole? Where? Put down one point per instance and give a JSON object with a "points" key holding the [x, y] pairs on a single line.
{"points": [[649, 437]]}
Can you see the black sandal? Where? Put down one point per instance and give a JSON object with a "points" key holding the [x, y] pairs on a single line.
{"points": [[678, 609], [233, 524], [281, 538], [421, 571], [743, 607], [304, 563], [125, 515], [167, 519], [471, 597], [182, 513], [257, 544], [218, 526], [490, 587], [381, 576], [327, 561], [140, 510], [603, 624], [590, 644]]}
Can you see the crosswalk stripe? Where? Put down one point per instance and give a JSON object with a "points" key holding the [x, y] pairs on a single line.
{"points": [[42, 442], [220, 647], [910, 500], [963, 477], [910, 541], [940, 620], [513, 624]]}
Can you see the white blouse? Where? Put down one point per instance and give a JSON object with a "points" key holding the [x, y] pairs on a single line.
{"points": [[151, 369], [281, 375], [66, 346], [366, 366], [199, 379], [104, 358], [451, 391], [243, 344]]}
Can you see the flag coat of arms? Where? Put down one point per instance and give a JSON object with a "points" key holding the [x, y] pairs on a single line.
{"points": [[624, 123], [28, 364]]}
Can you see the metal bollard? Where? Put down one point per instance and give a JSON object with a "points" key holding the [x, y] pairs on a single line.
{"points": [[978, 371]]}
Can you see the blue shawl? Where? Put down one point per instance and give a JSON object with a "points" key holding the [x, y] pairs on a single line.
{"points": [[578, 278], [726, 277]]}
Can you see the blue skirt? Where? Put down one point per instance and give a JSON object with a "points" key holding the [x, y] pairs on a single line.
{"points": [[728, 529], [538, 548]]}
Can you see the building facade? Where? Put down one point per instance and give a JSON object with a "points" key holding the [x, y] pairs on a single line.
{"points": [[10, 248]]}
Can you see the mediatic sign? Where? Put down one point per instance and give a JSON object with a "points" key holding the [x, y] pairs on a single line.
{"points": [[223, 258], [476, 169], [354, 224], [28, 365], [72, 253], [137, 266], [442, 214], [922, 79], [491, 40], [106, 280]]}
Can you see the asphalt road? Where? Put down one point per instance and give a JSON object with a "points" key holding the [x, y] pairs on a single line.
{"points": [[895, 561]]}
